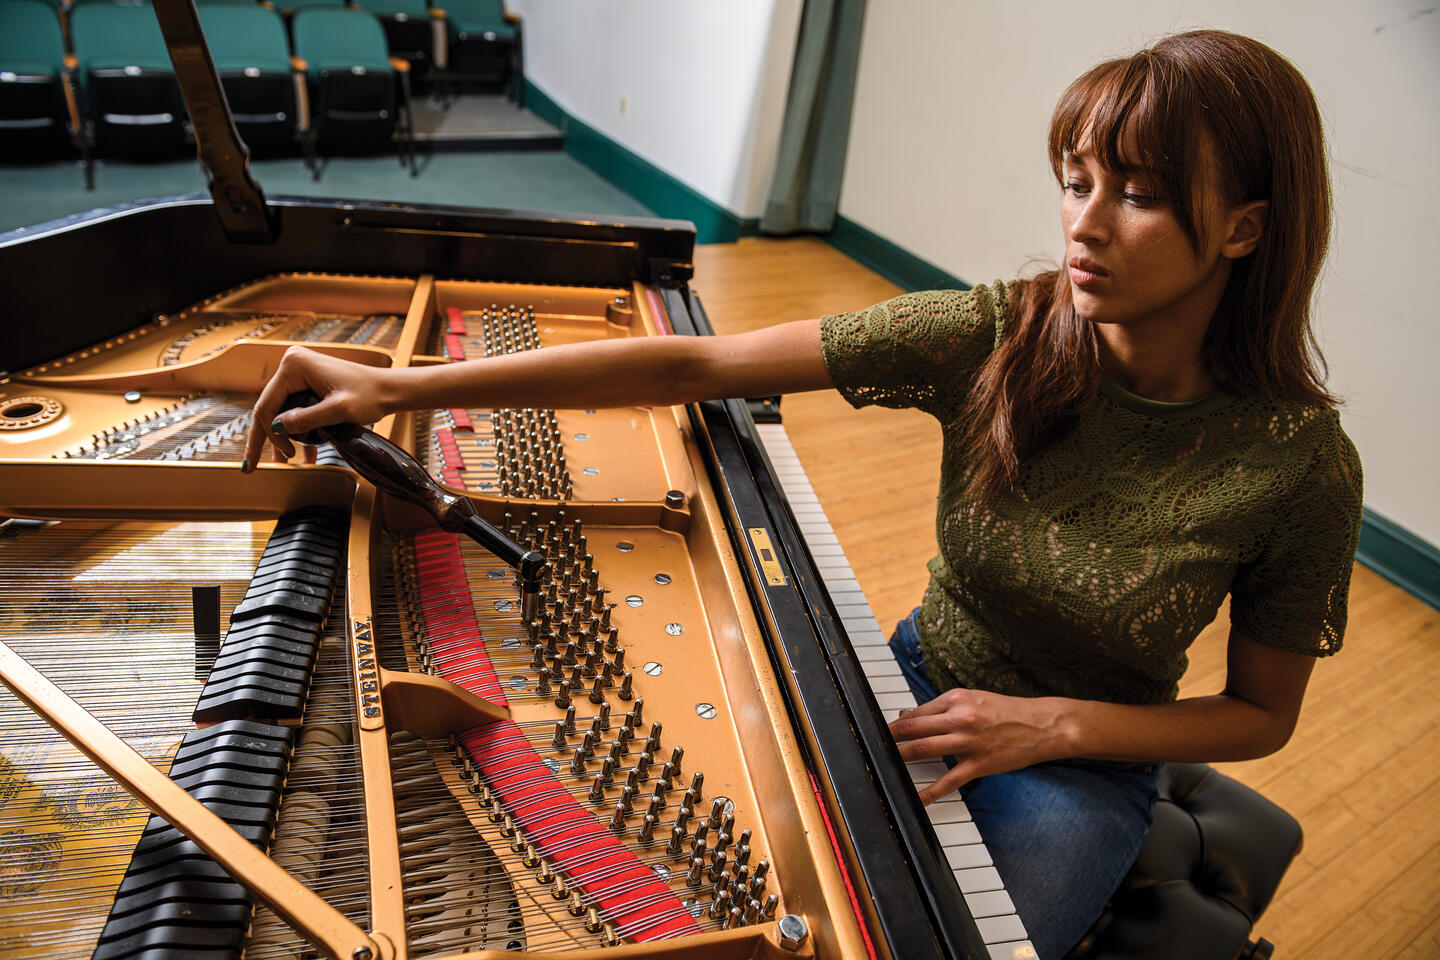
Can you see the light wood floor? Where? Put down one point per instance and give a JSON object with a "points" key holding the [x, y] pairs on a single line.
{"points": [[1360, 773]]}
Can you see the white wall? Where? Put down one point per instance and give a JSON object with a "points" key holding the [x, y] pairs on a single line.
{"points": [[705, 83], [947, 159]]}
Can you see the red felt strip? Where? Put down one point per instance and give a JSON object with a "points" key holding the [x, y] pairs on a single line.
{"points": [[625, 891], [457, 320], [454, 347], [461, 417]]}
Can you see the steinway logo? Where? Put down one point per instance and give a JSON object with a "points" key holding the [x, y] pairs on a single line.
{"points": [[366, 674]]}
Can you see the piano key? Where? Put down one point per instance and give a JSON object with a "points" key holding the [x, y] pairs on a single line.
{"points": [[950, 810], [968, 856], [979, 880], [1000, 929], [953, 834], [1019, 950], [992, 903]]}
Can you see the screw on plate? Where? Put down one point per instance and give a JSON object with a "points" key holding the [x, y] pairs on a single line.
{"points": [[792, 931]]}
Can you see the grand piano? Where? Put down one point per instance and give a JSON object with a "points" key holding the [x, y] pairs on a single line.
{"points": [[380, 740]]}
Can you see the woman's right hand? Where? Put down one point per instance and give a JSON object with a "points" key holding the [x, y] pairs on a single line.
{"points": [[349, 393]]}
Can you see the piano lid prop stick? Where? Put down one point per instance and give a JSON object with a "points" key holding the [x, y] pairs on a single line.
{"points": [[393, 470], [305, 912]]}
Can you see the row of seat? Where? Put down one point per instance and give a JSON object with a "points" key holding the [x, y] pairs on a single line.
{"points": [[97, 77]]}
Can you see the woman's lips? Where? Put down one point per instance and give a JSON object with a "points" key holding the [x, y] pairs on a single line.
{"points": [[1086, 273]]}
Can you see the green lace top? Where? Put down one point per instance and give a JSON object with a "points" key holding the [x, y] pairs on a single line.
{"points": [[1122, 538]]}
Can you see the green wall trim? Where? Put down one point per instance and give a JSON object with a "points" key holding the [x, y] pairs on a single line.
{"points": [[892, 262], [658, 190], [1400, 556]]}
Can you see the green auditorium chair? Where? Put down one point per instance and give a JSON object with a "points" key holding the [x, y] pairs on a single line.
{"points": [[266, 92], [416, 33], [353, 82], [39, 118], [132, 102], [485, 46]]}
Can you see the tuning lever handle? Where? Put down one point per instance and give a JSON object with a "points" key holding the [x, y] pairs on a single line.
{"points": [[395, 471]]}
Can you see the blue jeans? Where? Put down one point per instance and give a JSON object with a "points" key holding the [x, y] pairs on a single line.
{"points": [[1062, 835]]}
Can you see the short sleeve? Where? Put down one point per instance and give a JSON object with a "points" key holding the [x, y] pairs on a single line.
{"points": [[920, 349], [1294, 595]]}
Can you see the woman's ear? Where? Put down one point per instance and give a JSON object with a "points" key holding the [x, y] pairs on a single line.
{"points": [[1245, 225]]}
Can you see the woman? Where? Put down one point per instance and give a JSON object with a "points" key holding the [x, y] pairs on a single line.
{"points": [[1127, 441]]}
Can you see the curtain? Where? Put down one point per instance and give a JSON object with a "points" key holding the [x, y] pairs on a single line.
{"points": [[805, 192]]}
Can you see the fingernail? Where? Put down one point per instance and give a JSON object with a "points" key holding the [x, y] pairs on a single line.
{"points": [[277, 427], [245, 465]]}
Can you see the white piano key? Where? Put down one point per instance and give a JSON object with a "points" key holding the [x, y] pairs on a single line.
{"points": [[880, 668], [1017, 950], [968, 856], [872, 652], [895, 701], [926, 772], [895, 683], [950, 810], [1000, 929], [953, 834], [992, 903], [979, 880]]}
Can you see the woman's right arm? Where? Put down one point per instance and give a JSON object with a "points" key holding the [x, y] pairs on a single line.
{"points": [[641, 371]]}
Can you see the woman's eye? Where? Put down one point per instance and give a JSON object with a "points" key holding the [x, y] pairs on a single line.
{"points": [[1075, 187], [1140, 199]]}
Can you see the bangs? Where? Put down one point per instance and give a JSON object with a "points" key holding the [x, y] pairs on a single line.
{"points": [[1134, 116]]}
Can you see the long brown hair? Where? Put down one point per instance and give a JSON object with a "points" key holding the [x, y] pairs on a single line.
{"points": [[1156, 111]]}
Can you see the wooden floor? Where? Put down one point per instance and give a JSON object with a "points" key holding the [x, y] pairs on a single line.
{"points": [[1360, 773]]}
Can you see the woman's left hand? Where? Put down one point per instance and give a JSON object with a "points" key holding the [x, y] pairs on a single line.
{"points": [[986, 733]]}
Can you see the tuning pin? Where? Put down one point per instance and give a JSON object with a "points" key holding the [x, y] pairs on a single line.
{"points": [[752, 911], [656, 803], [717, 812], [569, 658], [771, 902], [604, 715], [619, 658], [732, 919], [647, 829], [722, 841], [652, 742], [542, 685], [701, 831], [742, 853], [721, 906], [576, 905], [717, 865], [677, 839], [695, 873], [537, 662], [661, 786], [617, 750], [761, 869], [742, 876], [597, 690], [562, 695], [617, 819], [607, 770], [588, 744], [642, 765], [612, 639], [682, 817], [627, 684], [597, 789], [696, 782], [577, 764], [592, 920], [757, 888], [559, 741]]}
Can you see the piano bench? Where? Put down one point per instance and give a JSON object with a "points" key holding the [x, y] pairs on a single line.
{"points": [[1208, 869]]}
